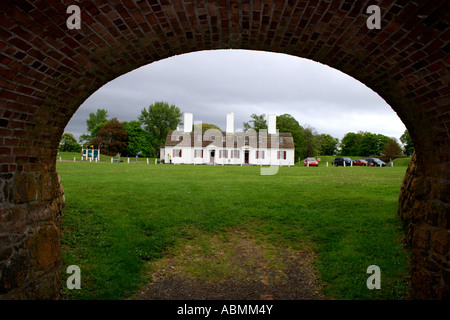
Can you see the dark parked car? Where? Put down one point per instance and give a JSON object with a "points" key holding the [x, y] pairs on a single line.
{"points": [[375, 162], [360, 162], [339, 161]]}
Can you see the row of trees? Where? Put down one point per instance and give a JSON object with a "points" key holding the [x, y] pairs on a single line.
{"points": [[145, 135], [138, 137], [308, 142], [141, 137]]}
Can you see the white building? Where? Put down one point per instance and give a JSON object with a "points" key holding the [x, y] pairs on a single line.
{"points": [[234, 148]]}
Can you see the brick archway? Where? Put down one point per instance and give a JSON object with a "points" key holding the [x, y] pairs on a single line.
{"points": [[47, 71]]}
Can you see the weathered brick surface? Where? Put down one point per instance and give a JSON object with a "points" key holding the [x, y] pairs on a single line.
{"points": [[47, 71]]}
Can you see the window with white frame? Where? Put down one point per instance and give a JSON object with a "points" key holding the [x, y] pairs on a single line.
{"points": [[260, 154]]}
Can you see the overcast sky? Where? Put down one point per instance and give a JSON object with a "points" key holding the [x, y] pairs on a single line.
{"points": [[211, 84]]}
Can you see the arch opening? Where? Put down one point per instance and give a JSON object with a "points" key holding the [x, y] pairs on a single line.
{"points": [[121, 85]]}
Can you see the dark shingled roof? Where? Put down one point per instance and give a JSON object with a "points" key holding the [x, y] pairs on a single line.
{"points": [[191, 139]]}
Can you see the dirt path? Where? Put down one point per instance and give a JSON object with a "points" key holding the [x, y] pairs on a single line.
{"points": [[232, 266]]}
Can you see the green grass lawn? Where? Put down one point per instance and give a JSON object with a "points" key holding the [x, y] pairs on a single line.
{"points": [[120, 216]]}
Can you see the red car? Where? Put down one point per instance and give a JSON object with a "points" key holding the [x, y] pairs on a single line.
{"points": [[312, 162], [360, 162]]}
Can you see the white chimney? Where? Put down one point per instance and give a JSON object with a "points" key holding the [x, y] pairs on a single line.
{"points": [[230, 122], [188, 118], [272, 127]]}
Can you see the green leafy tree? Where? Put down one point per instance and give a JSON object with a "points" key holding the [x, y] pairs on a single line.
{"points": [[258, 122], [112, 138], [158, 120], [205, 127], [100, 116], [311, 142], [139, 141], [69, 143], [350, 144], [287, 123], [368, 145], [363, 144], [95, 120], [408, 145], [327, 144]]}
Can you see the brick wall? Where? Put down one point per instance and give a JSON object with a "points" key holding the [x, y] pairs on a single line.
{"points": [[47, 71]]}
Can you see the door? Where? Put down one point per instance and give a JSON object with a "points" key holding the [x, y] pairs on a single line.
{"points": [[211, 158], [246, 157]]}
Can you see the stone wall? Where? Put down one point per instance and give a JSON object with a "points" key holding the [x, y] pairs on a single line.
{"points": [[30, 213], [425, 210]]}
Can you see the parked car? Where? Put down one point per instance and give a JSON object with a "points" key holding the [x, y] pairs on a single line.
{"points": [[312, 162], [375, 162], [339, 161], [360, 162]]}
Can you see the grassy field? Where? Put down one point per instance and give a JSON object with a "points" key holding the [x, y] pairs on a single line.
{"points": [[118, 217]]}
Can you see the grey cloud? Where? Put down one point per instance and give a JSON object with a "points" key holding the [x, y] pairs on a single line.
{"points": [[211, 84]]}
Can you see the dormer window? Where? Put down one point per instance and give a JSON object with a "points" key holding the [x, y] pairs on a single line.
{"points": [[281, 140], [213, 138]]}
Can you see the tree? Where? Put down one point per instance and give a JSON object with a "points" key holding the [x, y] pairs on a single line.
{"points": [[259, 122], [69, 143], [99, 117], [392, 149], [205, 127], [363, 144], [327, 144], [369, 144], [350, 144], [408, 145], [95, 120], [311, 145], [112, 138], [287, 123], [139, 141], [158, 120]]}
